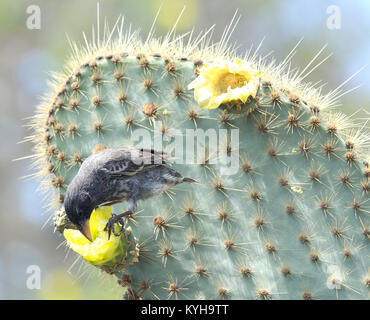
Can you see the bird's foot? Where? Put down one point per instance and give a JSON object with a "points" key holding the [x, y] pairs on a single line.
{"points": [[116, 218]]}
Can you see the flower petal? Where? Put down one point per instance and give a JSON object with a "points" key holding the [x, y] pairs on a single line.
{"points": [[224, 82], [101, 250]]}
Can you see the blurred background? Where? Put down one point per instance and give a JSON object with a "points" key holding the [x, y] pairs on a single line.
{"points": [[26, 57]]}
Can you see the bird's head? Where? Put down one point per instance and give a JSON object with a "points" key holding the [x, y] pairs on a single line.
{"points": [[78, 207]]}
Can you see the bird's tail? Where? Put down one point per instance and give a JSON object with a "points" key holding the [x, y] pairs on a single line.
{"points": [[190, 180]]}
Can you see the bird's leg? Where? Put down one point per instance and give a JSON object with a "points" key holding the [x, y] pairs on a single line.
{"points": [[118, 218], [131, 205]]}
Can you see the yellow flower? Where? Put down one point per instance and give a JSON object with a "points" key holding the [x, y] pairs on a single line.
{"points": [[100, 251], [224, 82]]}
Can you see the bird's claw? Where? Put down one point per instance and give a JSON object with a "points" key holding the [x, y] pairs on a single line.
{"points": [[110, 225], [115, 219]]}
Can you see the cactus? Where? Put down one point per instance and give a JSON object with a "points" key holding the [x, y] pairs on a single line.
{"points": [[290, 223]]}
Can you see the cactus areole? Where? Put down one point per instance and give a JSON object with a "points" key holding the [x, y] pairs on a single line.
{"points": [[281, 209]]}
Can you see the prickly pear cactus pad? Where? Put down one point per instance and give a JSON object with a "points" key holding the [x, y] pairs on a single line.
{"points": [[285, 215]]}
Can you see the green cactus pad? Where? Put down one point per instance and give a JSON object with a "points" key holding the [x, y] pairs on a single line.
{"points": [[290, 223]]}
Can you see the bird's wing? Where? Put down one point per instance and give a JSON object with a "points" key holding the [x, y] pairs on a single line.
{"points": [[130, 161]]}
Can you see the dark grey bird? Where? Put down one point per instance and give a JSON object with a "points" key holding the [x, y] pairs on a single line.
{"points": [[116, 175]]}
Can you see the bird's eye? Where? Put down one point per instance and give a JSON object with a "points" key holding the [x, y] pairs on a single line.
{"points": [[85, 198]]}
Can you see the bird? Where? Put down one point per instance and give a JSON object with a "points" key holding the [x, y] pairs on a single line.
{"points": [[114, 175]]}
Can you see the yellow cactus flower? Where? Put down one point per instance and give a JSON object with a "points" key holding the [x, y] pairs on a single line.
{"points": [[223, 82], [100, 251]]}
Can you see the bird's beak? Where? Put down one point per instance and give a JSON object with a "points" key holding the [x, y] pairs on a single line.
{"points": [[86, 230]]}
